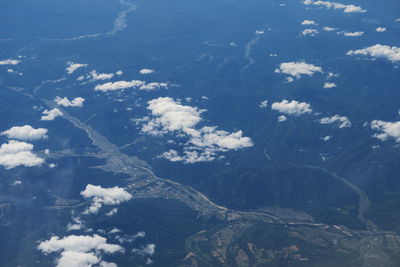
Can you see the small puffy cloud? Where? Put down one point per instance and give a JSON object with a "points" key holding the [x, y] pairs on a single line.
{"points": [[211, 138], [311, 32], [334, 5], [380, 29], [79, 251], [296, 69], [308, 22], [107, 196], [16, 182], [169, 116], [101, 76], [352, 34], [328, 29], [343, 121], [329, 85], [292, 108], [263, 104], [326, 138], [26, 133], [379, 51], [49, 115], [65, 102], [282, 118], [120, 72], [146, 71], [9, 62], [72, 67], [112, 212], [386, 130], [16, 153]]}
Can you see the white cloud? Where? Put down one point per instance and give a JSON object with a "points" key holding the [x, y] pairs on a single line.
{"points": [[334, 5], [72, 67], [326, 138], [343, 121], [308, 22], [25, 133], [292, 108], [289, 79], [52, 165], [76, 225], [136, 84], [352, 34], [120, 72], [49, 115], [263, 104], [311, 32], [147, 250], [101, 76], [112, 212], [146, 71], [328, 29], [119, 85], [296, 69], [16, 182], [114, 231], [329, 85], [107, 196], [79, 251], [211, 138], [386, 130], [76, 102], [9, 62], [153, 86], [16, 153], [381, 29], [282, 118], [170, 116], [379, 51]]}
